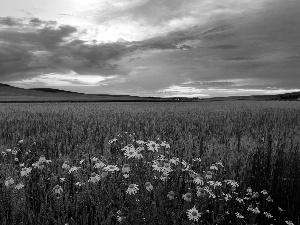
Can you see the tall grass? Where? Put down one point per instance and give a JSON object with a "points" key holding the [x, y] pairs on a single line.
{"points": [[258, 144]]}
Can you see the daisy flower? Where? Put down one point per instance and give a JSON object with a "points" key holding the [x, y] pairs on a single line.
{"points": [[57, 190], [227, 197], [210, 192], [130, 154], [184, 163], [140, 142], [219, 164], [112, 141], [9, 181], [25, 171], [111, 168], [208, 175], [171, 195], [42, 159], [238, 215], [200, 191], [14, 152], [214, 183], [37, 165], [119, 219], [187, 197], [264, 192], [94, 178], [66, 165], [99, 165], [213, 167], [149, 186], [253, 210], [79, 183], [140, 149], [268, 215], [249, 190], [132, 189], [165, 144], [193, 214], [233, 183], [255, 195], [198, 180], [197, 160], [94, 159], [19, 186], [138, 155], [153, 146], [239, 200], [125, 175], [156, 166], [125, 168], [73, 169], [128, 148], [174, 160]]}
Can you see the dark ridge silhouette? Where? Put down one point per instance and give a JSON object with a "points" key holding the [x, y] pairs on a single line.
{"points": [[5, 85], [52, 90], [9, 93]]}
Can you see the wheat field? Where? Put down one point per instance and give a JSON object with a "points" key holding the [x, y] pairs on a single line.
{"points": [[150, 163]]}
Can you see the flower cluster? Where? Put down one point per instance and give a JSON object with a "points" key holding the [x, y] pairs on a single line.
{"points": [[147, 173]]}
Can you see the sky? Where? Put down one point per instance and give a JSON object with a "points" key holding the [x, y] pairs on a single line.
{"points": [[162, 48]]}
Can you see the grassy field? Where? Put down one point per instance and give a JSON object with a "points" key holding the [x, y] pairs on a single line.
{"points": [[150, 163]]}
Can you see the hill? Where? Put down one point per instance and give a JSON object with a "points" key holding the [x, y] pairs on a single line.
{"points": [[9, 93], [13, 94]]}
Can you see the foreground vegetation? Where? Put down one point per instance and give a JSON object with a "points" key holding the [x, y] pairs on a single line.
{"points": [[150, 163]]}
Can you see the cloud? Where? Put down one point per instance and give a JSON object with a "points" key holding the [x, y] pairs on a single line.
{"points": [[47, 37], [200, 47], [37, 22], [9, 21]]}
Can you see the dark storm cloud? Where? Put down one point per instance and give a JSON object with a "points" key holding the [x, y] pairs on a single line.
{"points": [[9, 21], [19, 53], [13, 59], [45, 49], [37, 22], [46, 37]]}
